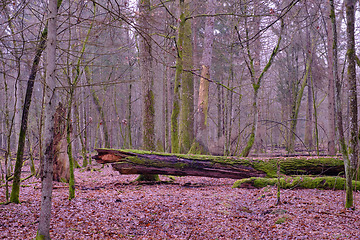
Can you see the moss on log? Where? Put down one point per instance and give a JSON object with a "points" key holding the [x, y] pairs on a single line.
{"points": [[145, 162], [327, 182]]}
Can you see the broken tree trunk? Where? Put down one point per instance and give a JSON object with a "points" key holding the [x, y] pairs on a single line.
{"points": [[142, 162]]}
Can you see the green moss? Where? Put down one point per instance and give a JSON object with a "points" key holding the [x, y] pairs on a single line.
{"points": [[282, 219], [197, 149], [256, 87], [332, 183], [148, 177], [148, 121], [249, 144]]}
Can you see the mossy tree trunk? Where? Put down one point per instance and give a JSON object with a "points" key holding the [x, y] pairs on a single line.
{"points": [[147, 79], [338, 102], [71, 92], [135, 162], [352, 162], [287, 182], [175, 131], [186, 126]]}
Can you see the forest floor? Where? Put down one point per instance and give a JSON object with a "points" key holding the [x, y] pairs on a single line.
{"points": [[109, 206]]}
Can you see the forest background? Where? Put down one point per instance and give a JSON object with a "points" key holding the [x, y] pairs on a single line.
{"points": [[219, 77], [269, 60], [216, 77]]}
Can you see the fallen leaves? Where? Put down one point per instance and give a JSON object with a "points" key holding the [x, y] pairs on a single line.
{"points": [[109, 206]]}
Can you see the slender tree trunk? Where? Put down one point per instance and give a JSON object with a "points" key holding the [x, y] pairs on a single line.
{"points": [[339, 120], [14, 197], [309, 115], [351, 165], [331, 86], [309, 108], [99, 108], [69, 145], [296, 107], [47, 176], [256, 83], [350, 16]]}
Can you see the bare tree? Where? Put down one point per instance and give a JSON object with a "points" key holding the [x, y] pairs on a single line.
{"points": [[25, 115], [256, 80], [147, 77], [331, 84], [352, 163], [52, 100], [203, 100]]}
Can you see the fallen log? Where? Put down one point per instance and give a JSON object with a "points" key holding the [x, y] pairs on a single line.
{"points": [[304, 182], [143, 162]]}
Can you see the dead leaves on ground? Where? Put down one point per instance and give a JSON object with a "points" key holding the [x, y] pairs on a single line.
{"points": [[108, 206]]}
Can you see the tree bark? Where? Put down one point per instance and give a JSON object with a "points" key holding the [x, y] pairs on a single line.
{"points": [[147, 79], [331, 85], [186, 126], [175, 132], [14, 197], [203, 101], [61, 159], [309, 107], [136, 162], [351, 164], [339, 120], [147, 76], [43, 231]]}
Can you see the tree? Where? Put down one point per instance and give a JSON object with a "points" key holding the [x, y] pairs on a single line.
{"points": [[256, 79], [352, 162], [186, 126], [203, 100], [25, 115], [147, 79], [183, 105], [52, 99], [331, 84], [309, 108], [147, 76], [175, 142]]}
